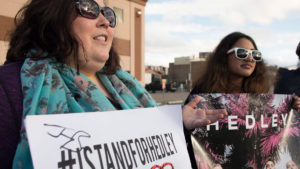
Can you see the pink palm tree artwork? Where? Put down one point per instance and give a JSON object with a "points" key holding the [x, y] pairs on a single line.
{"points": [[257, 126]]}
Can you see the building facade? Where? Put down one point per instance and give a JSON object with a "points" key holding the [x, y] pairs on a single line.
{"points": [[186, 70], [158, 71], [129, 38]]}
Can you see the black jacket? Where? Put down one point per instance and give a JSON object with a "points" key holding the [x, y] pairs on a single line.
{"points": [[288, 82]]}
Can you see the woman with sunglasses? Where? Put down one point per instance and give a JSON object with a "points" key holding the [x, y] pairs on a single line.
{"points": [[62, 50], [235, 66]]}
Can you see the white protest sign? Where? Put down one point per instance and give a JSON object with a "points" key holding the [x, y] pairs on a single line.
{"points": [[143, 138]]}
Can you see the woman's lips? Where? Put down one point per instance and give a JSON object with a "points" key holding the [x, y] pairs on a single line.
{"points": [[246, 66]]}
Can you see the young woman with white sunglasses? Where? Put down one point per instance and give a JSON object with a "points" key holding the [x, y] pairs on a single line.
{"points": [[235, 66]]}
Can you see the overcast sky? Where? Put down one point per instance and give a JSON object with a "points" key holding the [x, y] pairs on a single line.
{"points": [[176, 28]]}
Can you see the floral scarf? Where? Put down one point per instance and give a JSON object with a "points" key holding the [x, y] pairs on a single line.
{"points": [[50, 87]]}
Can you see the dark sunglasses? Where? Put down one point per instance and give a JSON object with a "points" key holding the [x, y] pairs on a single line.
{"points": [[91, 10], [242, 53]]}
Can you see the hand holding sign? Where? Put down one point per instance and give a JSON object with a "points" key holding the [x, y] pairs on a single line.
{"points": [[195, 118]]}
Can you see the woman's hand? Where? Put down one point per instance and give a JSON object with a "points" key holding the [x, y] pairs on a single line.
{"points": [[195, 118], [296, 104]]}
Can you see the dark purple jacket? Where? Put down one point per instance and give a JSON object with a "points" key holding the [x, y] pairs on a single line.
{"points": [[11, 107]]}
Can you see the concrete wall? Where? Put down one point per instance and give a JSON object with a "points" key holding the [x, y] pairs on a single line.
{"points": [[130, 36], [187, 73], [179, 73], [197, 70]]}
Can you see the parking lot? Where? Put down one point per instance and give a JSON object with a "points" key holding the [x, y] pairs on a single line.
{"points": [[165, 98]]}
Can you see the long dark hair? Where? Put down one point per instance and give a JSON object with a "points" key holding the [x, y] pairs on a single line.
{"points": [[216, 76], [298, 50], [46, 27]]}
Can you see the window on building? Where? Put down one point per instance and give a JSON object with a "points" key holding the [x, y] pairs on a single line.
{"points": [[119, 14]]}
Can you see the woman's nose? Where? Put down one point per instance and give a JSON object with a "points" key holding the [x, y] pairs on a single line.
{"points": [[250, 57], [102, 21]]}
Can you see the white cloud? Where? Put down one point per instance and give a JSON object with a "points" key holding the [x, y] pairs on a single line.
{"points": [[177, 27], [285, 57], [172, 29], [161, 38], [232, 12], [159, 60]]}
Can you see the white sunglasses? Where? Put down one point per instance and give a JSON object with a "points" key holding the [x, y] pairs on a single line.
{"points": [[242, 53]]}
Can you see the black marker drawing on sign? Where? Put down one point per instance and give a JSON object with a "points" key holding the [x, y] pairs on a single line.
{"points": [[71, 136]]}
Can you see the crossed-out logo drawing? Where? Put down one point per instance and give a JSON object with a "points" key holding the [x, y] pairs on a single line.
{"points": [[73, 137]]}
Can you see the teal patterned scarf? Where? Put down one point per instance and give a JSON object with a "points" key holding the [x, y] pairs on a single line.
{"points": [[50, 87]]}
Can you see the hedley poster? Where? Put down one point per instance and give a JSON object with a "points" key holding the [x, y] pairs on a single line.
{"points": [[145, 138], [261, 131]]}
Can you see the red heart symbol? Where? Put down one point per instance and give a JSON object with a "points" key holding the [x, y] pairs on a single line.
{"points": [[163, 166]]}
